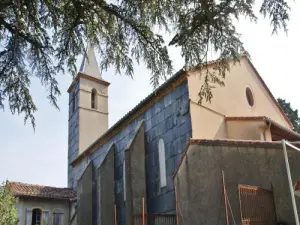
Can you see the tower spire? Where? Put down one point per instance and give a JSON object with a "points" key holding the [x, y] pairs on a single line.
{"points": [[89, 63]]}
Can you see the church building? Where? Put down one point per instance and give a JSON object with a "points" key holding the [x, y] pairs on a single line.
{"points": [[130, 169]]}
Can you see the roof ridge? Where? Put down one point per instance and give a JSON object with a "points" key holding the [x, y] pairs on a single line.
{"points": [[40, 191], [37, 185]]}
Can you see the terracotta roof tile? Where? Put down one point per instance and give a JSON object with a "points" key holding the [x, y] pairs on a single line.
{"points": [[40, 191]]}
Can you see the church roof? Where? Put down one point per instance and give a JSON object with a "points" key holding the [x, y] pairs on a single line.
{"points": [[89, 63], [32, 190], [89, 69]]}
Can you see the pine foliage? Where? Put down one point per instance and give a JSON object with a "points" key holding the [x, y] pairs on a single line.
{"points": [[290, 113], [8, 210], [42, 38]]}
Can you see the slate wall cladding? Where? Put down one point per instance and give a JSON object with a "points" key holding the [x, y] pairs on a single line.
{"points": [[85, 197], [73, 137], [135, 174], [105, 190], [168, 118]]}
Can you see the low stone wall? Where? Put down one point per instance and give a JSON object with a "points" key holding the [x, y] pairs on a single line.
{"points": [[198, 181]]}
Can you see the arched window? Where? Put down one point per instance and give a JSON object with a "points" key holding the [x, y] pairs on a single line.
{"points": [[73, 102], [94, 99], [162, 163], [36, 217]]}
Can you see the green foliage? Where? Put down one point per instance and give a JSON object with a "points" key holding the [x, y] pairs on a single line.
{"points": [[42, 38], [290, 113], [8, 211], [44, 222]]}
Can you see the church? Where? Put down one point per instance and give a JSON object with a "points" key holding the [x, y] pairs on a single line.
{"points": [[161, 163], [171, 160]]}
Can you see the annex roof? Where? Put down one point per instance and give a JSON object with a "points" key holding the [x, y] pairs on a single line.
{"points": [[33, 190]]}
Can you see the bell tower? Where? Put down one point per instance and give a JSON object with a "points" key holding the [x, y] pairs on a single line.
{"points": [[88, 107]]}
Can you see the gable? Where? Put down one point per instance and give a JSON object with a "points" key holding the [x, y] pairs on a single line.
{"points": [[231, 100]]}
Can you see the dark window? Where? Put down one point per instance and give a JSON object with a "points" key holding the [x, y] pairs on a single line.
{"points": [[249, 96], [36, 217], [73, 102], [93, 99]]}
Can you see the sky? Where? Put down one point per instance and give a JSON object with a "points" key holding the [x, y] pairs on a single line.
{"points": [[40, 156]]}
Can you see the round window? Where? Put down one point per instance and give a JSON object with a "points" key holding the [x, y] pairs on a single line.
{"points": [[249, 96]]}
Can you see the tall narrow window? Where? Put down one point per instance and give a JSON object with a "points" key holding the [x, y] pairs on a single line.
{"points": [[36, 217], [73, 102], [124, 180], [94, 99], [162, 163]]}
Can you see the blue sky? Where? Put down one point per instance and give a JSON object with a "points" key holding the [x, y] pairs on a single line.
{"points": [[40, 157]]}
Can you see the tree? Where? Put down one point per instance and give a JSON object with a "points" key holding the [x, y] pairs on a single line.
{"points": [[8, 211], [290, 113], [42, 38]]}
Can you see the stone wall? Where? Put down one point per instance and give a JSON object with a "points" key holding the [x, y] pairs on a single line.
{"points": [[85, 197], [167, 118], [73, 137], [199, 180], [135, 174], [105, 189]]}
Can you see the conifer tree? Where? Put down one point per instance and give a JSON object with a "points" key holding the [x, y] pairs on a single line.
{"points": [[42, 38], [8, 210], [290, 113]]}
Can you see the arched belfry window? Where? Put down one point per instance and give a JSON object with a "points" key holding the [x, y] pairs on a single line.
{"points": [[162, 163], [94, 99], [36, 217]]}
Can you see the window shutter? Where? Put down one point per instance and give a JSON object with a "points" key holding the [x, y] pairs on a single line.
{"points": [[58, 218], [45, 218], [61, 219], [28, 216]]}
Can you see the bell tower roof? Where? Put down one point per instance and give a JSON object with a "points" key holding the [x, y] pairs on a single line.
{"points": [[89, 65]]}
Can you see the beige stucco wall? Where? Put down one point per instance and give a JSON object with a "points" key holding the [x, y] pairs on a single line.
{"points": [[248, 130], [230, 100], [92, 122], [47, 205], [213, 125], [207, 123]]}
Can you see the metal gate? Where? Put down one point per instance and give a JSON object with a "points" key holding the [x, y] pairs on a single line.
{"points": [[155, 219], [257, 206]]}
